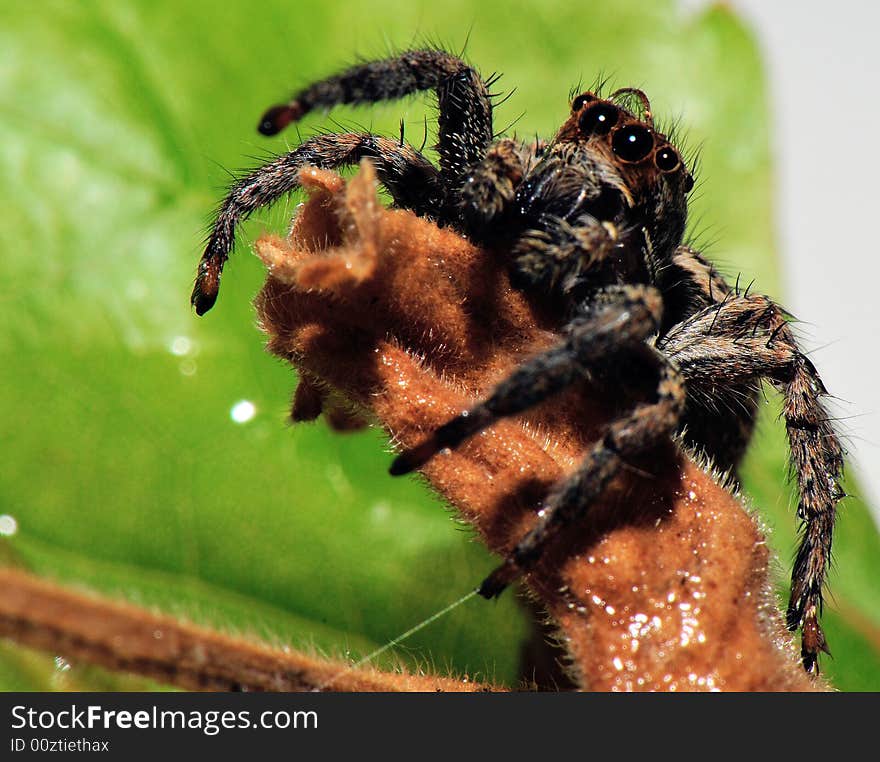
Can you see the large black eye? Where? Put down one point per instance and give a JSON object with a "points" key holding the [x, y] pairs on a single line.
{"points": [[578, 103], [633, 142], [666, 159], [598, 119]]}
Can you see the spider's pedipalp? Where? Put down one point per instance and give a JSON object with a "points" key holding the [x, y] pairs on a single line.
{"points": [[566, 257], [488, 192]]}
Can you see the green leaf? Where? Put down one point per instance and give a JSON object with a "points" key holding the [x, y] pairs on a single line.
{"points": [[121, 463]]}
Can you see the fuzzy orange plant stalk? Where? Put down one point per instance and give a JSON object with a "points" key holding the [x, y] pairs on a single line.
{"points": [[85, 628], [663, 586]]}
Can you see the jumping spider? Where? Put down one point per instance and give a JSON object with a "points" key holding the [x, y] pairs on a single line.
{"points": [[592, 221]]}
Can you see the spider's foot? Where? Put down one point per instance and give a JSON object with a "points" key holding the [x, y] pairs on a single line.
{"points": [[278, 117], [497, 582], [812, 642], [203, 299], [207, 286], [415, 457], [450, 434]]}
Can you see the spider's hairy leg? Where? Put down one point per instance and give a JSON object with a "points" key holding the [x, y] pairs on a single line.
{"points": [[410, 178], [622, 316], [748, 337], [465, 118], [719, 421], [647, 426]]}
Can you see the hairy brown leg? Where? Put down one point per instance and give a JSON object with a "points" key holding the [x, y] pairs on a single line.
{"points": [[621, 319], [719, 423], [647, 426], [463, 99], [410, 178], [748, 337]]}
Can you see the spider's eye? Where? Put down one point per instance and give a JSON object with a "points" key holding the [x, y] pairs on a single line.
{"points": [[633, 142], [578, 103], [598, 120], [666, 159]]}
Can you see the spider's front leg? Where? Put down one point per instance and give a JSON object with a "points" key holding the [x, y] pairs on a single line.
{"points": [[647, 426], [747, 337], [463, 99], [410, 178], [619, 320]]}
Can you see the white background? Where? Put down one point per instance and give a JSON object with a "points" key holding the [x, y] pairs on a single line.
{"points": [[823, 63]]}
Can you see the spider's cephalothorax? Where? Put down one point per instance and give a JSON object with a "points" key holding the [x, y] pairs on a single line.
{"points": [[592, 220]]}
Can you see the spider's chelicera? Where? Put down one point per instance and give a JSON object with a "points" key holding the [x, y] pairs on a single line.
{"points": [[593, 220]]}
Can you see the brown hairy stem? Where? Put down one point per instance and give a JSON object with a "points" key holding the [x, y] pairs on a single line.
{"points": [[665, 584], [119, 636]]}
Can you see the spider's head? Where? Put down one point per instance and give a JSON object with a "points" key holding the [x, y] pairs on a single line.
{"points": [[619, 133], [627, 135]]}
